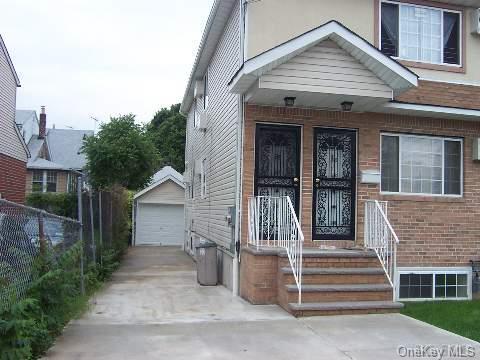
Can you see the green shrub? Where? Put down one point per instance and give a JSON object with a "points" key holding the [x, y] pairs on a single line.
{"points": [[28, 328], [62, 204], [17, 325]]}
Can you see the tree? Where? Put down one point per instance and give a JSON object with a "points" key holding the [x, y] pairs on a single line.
{"points": [[121, 153], [167, 131]]}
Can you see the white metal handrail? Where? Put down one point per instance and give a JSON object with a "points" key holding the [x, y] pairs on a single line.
{"points": [[272, 222], [380, 237]]}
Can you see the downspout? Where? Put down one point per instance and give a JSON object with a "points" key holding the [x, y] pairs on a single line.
{"points": [[239, 170]]}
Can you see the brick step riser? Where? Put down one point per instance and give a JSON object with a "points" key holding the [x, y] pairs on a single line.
{"points": [[342, 312], [340, 296], [323, 279]]}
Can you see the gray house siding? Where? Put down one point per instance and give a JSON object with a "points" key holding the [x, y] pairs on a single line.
{"points": [[206, 217], [10, 142]]}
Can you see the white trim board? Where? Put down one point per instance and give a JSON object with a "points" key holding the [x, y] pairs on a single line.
{"points": [[395, 75], [176, 178], [432, 111], [9, 60]]}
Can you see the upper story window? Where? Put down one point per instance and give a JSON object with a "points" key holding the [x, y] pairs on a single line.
{"points": [[420, 33], [423, 165]]}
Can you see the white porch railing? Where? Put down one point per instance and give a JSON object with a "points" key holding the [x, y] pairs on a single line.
{"points": [[380, 237], [272, 222]]}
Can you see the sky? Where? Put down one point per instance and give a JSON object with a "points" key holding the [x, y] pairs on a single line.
{"points": [[101, 58]]}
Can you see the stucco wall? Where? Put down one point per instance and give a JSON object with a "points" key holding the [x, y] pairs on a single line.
{"points": [[272, 22]]}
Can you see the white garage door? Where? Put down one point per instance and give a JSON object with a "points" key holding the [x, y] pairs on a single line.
{"points": [[159, 224]]}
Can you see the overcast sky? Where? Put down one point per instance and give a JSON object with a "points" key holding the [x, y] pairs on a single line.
{"points": [[83, 58]]}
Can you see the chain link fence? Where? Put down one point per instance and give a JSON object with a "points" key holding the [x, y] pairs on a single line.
{"points": [[25, 233], [106, 222]]}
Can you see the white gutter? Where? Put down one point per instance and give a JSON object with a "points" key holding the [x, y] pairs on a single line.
{"points": [[432, 111]]}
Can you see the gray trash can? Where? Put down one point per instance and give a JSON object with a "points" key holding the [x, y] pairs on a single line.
{"points": [[206, 255]]}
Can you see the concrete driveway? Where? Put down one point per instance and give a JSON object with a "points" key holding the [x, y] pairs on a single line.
{"points": [[154, 309]]}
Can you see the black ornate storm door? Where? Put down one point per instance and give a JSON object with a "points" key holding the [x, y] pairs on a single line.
{"points": [[277, 162], [334, 179]]}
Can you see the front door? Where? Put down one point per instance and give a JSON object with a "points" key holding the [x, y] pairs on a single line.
{"points": [[334, 179], [277, 162]]}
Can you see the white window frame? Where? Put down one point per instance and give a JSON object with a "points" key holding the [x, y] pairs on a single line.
{"points": [[196, 119], [45, 180], [444, 138], [205, 90], [443, 10], [434, 271], [38, 182], [203, 179]]}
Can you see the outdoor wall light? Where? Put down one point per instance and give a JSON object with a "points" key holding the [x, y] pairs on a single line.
{"points": [[347, 106], [290, 101]]}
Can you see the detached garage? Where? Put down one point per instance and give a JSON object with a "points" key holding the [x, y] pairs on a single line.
{"points": [[158, 214]]}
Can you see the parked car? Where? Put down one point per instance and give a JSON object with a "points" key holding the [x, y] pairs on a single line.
{"points": [[15, 242], [53, 230]]}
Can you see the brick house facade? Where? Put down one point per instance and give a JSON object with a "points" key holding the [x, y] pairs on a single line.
{"points": [[422, 222], [326, 119], [12, 175]]}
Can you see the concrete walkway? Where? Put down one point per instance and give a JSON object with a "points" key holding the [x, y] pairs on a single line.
{"points": [[154, 309]]}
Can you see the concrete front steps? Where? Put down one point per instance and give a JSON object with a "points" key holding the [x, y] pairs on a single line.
{"points": [[336, 282]]}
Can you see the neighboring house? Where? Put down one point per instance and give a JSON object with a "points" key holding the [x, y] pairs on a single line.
{"points": [[158, 213], [312, 111], [13, 151], [27, 123], [56, 158]]}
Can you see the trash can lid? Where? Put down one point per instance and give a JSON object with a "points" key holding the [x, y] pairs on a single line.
{"points": [[205, 244]]}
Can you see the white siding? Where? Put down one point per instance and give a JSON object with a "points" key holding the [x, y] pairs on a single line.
{"points": [[325, 68], [10, 143], [218, 144], [168, 192]]}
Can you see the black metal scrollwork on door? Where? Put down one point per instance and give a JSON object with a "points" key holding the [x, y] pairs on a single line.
{"points": [[334, 179], [277, 162]]}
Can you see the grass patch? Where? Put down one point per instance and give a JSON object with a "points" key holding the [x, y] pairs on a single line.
{"points": [[459, 317]]}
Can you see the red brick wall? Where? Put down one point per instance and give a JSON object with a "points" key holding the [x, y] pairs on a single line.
{"points": [[443, 94], [13, 175], [433, 231], [258, 274]]}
